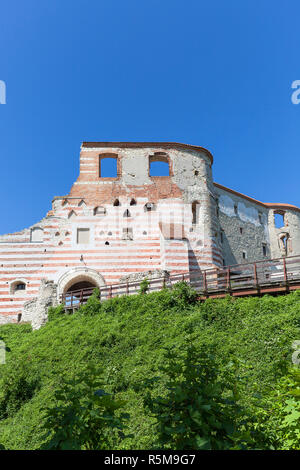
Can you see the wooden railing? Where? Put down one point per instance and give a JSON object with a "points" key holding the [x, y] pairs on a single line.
{"points": [[276, 275]]}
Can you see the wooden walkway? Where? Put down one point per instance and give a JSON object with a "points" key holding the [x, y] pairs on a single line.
{"points": [[276, 276]]}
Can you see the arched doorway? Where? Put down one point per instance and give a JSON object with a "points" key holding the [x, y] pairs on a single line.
{"points": [[78, 293], [81, 285], [77, 285]]}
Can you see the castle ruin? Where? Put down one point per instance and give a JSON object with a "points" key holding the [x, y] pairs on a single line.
{"points": [[134, 223]]}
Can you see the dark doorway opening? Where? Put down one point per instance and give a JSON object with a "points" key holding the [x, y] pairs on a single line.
{"points": [[81, 285]]}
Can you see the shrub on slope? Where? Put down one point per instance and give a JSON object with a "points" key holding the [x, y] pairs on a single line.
{"points": [[127, 337]]}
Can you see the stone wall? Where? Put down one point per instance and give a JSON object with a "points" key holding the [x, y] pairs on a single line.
{"points": [[35, 311], [284, 240], [193, 224], [243, 229]]}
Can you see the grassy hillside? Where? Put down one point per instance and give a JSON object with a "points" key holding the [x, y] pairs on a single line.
{"points": [[127, 337]]}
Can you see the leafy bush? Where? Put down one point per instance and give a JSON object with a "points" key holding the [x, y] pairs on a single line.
{"points": [[84, 416], [199, 409], [93, 305], [144, 286], [279, 412], [127, 337], [17, 386], [55, 312], [183, 293]]}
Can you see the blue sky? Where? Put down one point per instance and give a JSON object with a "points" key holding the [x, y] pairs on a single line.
{"points": [[216, 74]]}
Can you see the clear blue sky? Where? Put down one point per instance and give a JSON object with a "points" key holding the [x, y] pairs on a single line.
{"points": [[211, 73]]}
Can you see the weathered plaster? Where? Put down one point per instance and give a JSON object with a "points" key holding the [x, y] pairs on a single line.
{"points": [[166, 239]]}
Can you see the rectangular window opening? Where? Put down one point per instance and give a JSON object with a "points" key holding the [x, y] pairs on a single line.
{"points": [[159, 168], [279, 219], [83, 236], [108, 167]]}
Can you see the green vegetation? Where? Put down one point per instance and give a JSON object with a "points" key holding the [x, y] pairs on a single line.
{"points": [[155, 370], [85, 417]]}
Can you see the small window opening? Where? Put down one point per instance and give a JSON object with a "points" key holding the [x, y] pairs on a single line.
{"points": [[108, 167], [19, 317], [133, 202], [100, 211], [83, 236], [127, 233], [195, 212], [159, 164], [17, 286], [37, 234], [284, 242], [244, 255], [196, 172], [235, 209], [264, 248], [260, 218], [221, 236], [20, 286], [71, 215], [279, 219], [149, 207], [117, 203], [127, 213], [241, 230], [106, 243]]}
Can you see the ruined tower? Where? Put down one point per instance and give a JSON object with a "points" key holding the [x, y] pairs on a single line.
{"points": [[133, 223]]}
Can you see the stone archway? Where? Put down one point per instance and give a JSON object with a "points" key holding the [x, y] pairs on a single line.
{"points": [[80, 284], [79, 276]]}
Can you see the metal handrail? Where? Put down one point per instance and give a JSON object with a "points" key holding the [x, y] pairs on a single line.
{"points": [[244, 276]]}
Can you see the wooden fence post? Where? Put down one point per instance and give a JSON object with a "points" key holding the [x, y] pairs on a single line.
{"points": [[204, 282], [255, 276], [228, 286], [285, 274]]}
